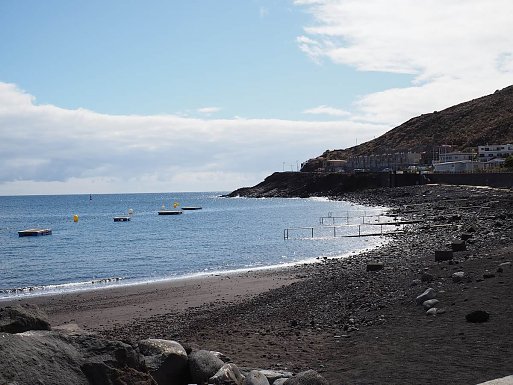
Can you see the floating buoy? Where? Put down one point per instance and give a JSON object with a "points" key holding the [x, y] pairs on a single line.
{"points": [[130, 211], [75, 218]]}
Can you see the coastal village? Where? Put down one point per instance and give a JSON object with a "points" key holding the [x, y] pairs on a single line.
{"points": [[441, 159]]}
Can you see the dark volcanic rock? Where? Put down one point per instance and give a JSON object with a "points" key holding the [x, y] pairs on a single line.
{"points": [[19, 319], [203, 365], [477, 316], [443, 255], [164, 359], [376, 266], [49, 357], [458, 245]]}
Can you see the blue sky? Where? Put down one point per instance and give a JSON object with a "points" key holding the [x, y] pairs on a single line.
{"points": [[128, 96]]}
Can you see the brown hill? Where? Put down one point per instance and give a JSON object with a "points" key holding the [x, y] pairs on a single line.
{"points": [[486, 120]]}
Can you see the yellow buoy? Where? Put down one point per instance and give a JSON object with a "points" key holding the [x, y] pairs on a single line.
{"points": [[75, 218]]}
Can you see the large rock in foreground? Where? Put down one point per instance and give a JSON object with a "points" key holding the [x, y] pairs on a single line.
{"points": [[19, 319], [48, 357]]}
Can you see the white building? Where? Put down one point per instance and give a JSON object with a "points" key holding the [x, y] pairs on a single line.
{"points": [[489, 152], [457, 166], [455, 156]]}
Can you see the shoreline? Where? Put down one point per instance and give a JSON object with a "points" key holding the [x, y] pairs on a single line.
{"points": [[118, 283], [149, 299], [120, 304]]}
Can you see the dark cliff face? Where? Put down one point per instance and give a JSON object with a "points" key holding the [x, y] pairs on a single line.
{"points": [[486, 120], [307, 184]]}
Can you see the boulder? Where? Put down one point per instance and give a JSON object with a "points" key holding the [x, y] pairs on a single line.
{"points": [[458, 245], [432, 311], [458, 277], [428, 294], [426, 277], [273, 375], [310, 377], [19, 319], [466, 236], [49, 357], [429, 303], [280, 381], [255, 377], [488, 274], [375, 266], [229, 374], [203, 364], [165, 360], [443, 255], [478, 316]]}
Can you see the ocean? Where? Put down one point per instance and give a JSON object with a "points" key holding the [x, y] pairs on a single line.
{"points": [[227, 234]]}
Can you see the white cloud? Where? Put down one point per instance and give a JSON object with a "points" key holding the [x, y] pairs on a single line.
{"points": [[47, 149], [326, 110], [455, 49], [208, 110]]}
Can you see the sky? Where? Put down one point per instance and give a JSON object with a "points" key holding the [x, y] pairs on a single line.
{"points": [[199, 95]]}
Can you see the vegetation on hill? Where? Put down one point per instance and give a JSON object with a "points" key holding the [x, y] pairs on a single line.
{"points": [[486, 120]]}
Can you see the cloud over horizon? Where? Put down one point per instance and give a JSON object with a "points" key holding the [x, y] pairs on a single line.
{"points": [[50, 147]]}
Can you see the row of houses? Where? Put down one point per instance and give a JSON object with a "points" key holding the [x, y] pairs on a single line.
{"points": [[441, 159]]}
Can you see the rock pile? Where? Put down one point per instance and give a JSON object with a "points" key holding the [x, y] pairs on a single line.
{"points": [[32, 352]]}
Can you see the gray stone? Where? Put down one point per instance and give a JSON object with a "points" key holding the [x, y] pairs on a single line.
{"points": [[426, 277], [428, 294], [255, 377], [375, 266], [229, 374], [280, 381], [458, 245], [429, 303], [19, 319], [432, 311], [273, 375], [443, 255], [310, 377], [50, 357], [164, 359], [477, 316], [466, 236], [488, 274], [458, 277], [416, 282], [505, 264], [203, 365]]}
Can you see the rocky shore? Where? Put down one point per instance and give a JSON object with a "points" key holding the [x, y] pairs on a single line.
{"points": [[356, 326], [363, 320]]}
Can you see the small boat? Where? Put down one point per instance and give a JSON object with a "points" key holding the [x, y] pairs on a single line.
{"points": [[191, 208], [121, 219], [34, 232], [170, 212]]}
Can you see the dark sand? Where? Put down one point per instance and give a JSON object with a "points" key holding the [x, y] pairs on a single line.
{"points": [[353, 326]]}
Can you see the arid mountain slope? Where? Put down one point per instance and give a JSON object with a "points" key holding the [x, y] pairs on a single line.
{"points": [[486, 120]]}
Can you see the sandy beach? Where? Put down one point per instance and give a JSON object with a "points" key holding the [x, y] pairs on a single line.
{"points": [[351, 325]]}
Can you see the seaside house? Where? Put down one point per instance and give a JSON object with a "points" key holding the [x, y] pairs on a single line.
{"points": [[494, 151]]}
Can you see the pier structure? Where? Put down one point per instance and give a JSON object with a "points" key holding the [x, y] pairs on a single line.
{"points": [[34, 232]]}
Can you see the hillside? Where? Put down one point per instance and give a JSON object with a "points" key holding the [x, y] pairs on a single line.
{"points": [[486, 120]]}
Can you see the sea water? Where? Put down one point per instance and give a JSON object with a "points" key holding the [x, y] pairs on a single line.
{"points": [[227, 234]]}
